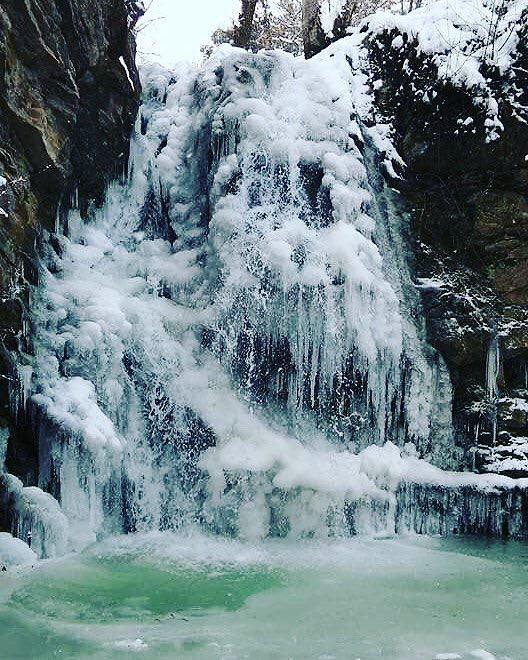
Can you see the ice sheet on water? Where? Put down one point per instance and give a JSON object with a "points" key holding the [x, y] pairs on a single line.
{"points": [[131, 645]]}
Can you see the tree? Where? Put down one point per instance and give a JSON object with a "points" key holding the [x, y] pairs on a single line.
{"points": [[276, 25], [281, 26], [242, 31], [296, 26], [325, 21], [314, 37]]}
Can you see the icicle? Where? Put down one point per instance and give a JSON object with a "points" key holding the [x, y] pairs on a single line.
{"points": [[492, 369], [25, 375], [492, 386], [57, 220]]}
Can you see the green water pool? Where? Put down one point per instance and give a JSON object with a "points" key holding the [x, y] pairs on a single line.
{"points": [[190, 596]]}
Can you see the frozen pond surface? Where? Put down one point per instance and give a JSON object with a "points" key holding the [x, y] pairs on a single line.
{"points": [[170, 596]]}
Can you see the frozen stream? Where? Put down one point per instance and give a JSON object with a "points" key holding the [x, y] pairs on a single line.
{"points": [[170, 596]]}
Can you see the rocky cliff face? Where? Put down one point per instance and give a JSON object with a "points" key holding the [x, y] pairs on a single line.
{"points": [[465, 188], [69, 92]]}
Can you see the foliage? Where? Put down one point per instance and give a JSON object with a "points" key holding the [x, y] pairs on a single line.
{"points": [[277, 24]]}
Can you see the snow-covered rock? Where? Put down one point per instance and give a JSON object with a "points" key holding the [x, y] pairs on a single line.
{"points": [[14, 552]]}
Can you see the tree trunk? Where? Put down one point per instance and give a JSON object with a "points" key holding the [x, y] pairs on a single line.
{"points": [[242, 35], [314, 38], [345, 17]]}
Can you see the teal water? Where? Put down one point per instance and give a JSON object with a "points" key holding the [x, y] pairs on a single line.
{"points": [[168, 596]]}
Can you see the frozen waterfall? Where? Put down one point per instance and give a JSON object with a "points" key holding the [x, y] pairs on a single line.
{"points": [[234, 340]]}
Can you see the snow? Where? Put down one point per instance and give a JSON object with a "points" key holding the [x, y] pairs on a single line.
{"points": [[72, 404], [455, 37], [515, 403], [508, 464], [429, 283], [14, 552], [330, 11]]}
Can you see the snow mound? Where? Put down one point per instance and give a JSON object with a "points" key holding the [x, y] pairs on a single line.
{"points": [[14, 552]]}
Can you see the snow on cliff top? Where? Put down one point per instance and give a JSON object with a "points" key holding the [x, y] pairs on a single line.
{"points": [[469, 42], [468, 31]]}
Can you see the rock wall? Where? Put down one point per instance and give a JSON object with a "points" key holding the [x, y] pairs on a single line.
{"points": [[69, 92], [466, 192]]}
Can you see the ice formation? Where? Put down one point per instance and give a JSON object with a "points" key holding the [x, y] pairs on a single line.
{"points": [[233, 340], [14, 552]]}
